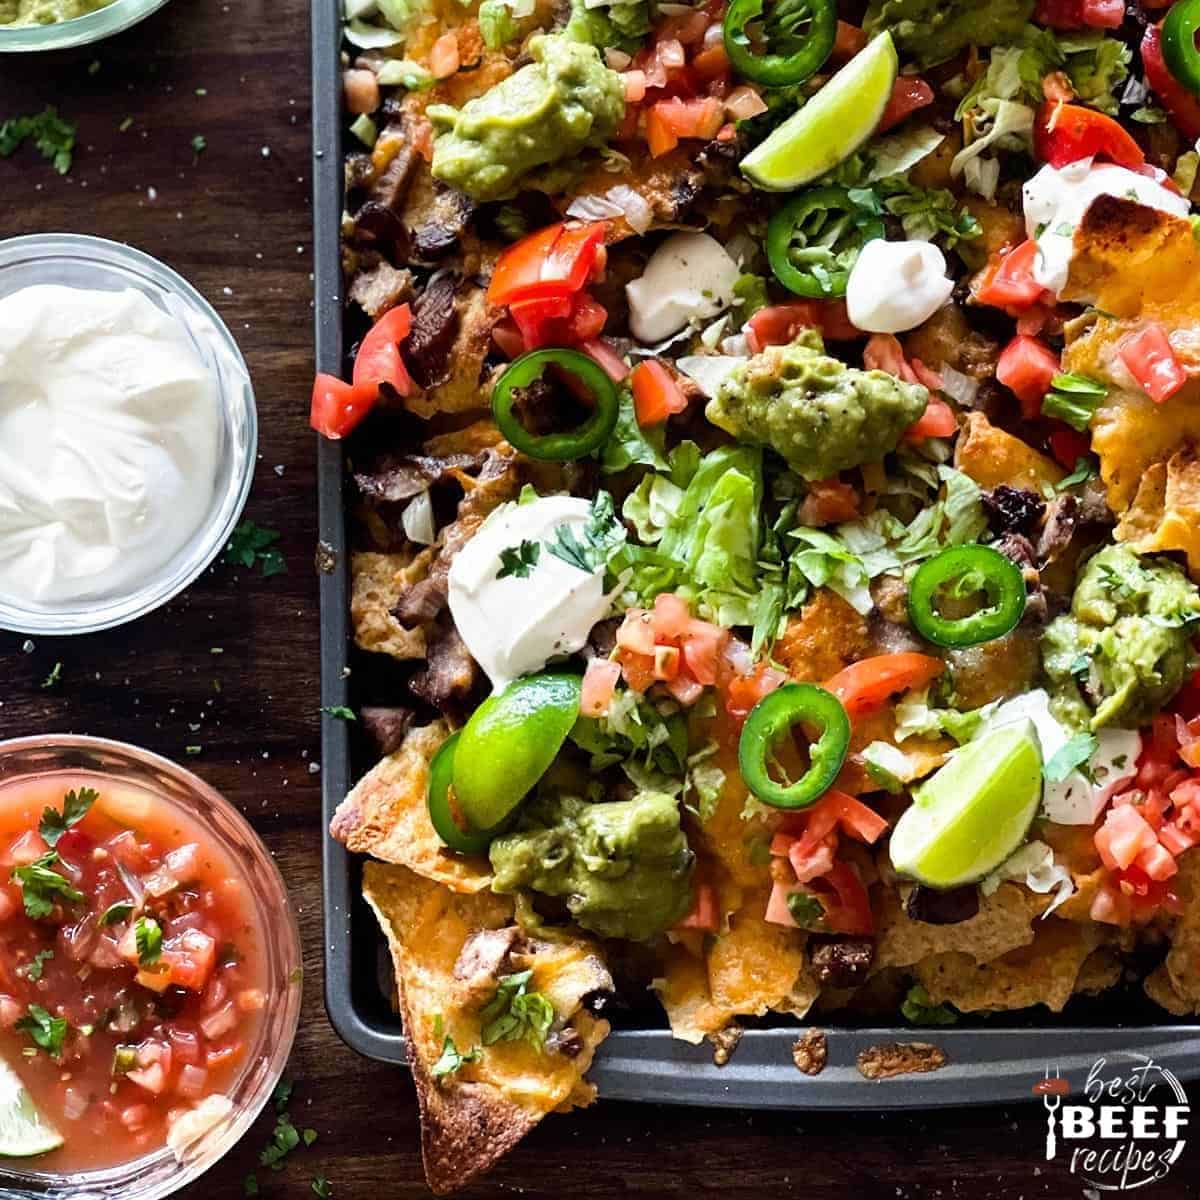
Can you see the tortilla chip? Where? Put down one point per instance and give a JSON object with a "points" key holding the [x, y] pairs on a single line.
{"points": [[1042, 972], [1003, 923], [472, 1117], [827, 636], [1100, 971], [376, 580], [1176, 983], [1165, 513], [992, 457], [386, 816]]}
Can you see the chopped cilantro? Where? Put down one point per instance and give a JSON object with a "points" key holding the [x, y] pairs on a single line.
{"points": [[320, 1187], [1081, 664], [1084, 470], [451, 1060], [1073, 399], [33, 971], [252, 545], [340, 711], [199, 144], [53, 137], [589, 549], [918, 1008], [114, 914], [40, 885], [46, 1032], [148, 934], [75, 807], [515, 1013], [283, 1141], [309, 1136], [125, 125], [282, 1095], [519, 560], [807, 911], [54, 678], [1075, 753], [250, 1185]]}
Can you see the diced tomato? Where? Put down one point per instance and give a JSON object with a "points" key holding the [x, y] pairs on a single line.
{"points": [[1188, 733], [1123, 836], [1068, 446], [937, 421], [812, 857], [703, 645], [745, 691], [378, 360], [849, 41], [909, 93], [1007, 281], [637, 632], [835, 810], [1182, 104], [1026, 367], [600, 350], [587, 319], [666, 662], [711, 63], [1152, 362], [671, 120], [1065, 133], [659, 136], [636, 669], [1157, 862], [778, 912], [672, 615], [508, 338], [685, 689], [850, 908], [656, 394], [535, 317], [1160, 750], [599, 684], [555, 261], [1076, 14], [337, 407], [781, 323], [829, 502], [864, 686], [1056, 86], [704, 913]]}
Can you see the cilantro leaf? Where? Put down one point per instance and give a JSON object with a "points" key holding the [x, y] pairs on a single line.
{"points": [[53, 137], [589, 548], [148, 935], [33, 971], [807, 911], [1077, 751], [320, 1187], [515, 1013], [54, 678], [40, 885], [1074, 399], [451, 1060], [75, 807], [252, 545], [46, 1032], [1085, 469], [114, 914], [340, 711], [282, 1095], [918, 1008], [283, 1141], [519, 560]]}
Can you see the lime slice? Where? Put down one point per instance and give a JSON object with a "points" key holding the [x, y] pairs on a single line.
{"points": [[974, 812], [509, 743], [24, 1132], [831, 126]]}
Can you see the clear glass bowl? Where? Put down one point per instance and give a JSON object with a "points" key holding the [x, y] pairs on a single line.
{"points": [[159, 1174], [74, 260], [102, 23]]}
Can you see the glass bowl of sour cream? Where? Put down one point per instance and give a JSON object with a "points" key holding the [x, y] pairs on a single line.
{"points": [[128, 434], [27, 25]]}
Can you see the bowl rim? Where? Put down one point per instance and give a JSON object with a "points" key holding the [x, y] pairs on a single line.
{"points": [[78, 31], [160, 1172], [237, 403]]}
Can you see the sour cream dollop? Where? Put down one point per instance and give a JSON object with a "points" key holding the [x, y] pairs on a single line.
{"points": [[1056, 199], [690, 277], [514, 623], [110, 425], [896, 286]]}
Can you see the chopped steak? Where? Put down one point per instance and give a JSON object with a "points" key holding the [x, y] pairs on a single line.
{"points": [[935, 907], [839, 961], [386, 727], [377, 287], [435, 323], [1013, 510], [395, 477], [484, 957], [449, 673]]}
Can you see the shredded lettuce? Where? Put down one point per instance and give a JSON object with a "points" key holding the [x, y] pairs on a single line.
{"points": [[630, 444], [916, 717], [496, 24]]}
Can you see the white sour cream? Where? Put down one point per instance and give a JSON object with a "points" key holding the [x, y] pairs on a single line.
{"points": [[896, 286], [514, 625], [1056, 199], [110, 425], [689, 278]]}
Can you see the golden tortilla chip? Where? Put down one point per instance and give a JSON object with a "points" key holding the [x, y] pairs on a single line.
{"points": [[445, 973], [375, 583], [1176, 982], [1003, 923], [386, 816], [825, 637], [1042, 972], [1165, 513], [992, 457], [1100, 971]]}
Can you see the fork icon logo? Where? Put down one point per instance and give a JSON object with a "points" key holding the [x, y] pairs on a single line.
{"points": [[1052, 1094]]}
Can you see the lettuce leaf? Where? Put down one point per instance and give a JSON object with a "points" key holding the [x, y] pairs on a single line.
{"points": [[629, 444]]}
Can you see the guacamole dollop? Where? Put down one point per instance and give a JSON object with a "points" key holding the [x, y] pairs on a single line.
{"points": [[819, 414], [623, 866], [1124, 649], [561, 103], [932, 31], [46, 12]]}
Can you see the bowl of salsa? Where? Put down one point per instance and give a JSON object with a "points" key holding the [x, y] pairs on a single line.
{"points": [[150, 971]]}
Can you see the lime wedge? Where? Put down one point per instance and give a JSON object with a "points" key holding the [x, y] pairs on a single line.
{"points": [[831, 126], [24, 1132], [974, 812]]}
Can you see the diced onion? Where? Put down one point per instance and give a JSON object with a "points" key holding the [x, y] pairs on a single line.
{"points": [[618, 60], [962, 389], [417, 520], [670, 53], [635, 206], [743, 103]]}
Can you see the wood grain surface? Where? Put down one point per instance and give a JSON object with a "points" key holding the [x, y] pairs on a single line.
{"points": [[231, 667]]}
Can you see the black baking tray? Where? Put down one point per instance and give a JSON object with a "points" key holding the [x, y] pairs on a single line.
{"points": [[989, 1063]]}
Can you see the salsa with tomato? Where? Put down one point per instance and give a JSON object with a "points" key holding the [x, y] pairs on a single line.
{"points": [[131, 966]]}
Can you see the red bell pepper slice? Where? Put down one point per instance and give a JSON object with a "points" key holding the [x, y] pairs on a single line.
{"points": [[378, 360], [1065, 133], [1152, 362], [1007, 282], [553, 262], [656, 394], [863, 686], [908, 94], [780, 323], [337, 407]]}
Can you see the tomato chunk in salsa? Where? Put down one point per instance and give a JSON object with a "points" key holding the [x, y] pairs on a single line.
{"points": [[131, 973]]}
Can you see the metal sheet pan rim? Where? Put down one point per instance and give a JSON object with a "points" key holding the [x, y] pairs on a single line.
{"points": [[984, 1066]]}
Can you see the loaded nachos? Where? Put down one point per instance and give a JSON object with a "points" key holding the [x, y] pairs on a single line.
{"points": [[773, 431]]}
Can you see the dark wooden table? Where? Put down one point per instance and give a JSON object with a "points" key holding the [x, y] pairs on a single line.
{"points": [[231, 667]]}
